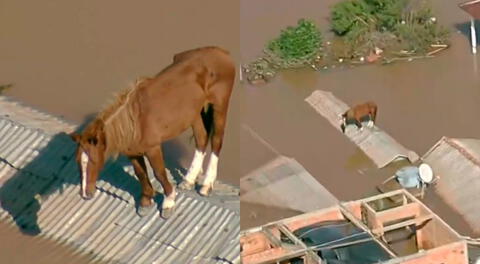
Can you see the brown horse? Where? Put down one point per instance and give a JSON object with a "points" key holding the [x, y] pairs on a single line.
{"points": [[194, 91], [360, 113]]}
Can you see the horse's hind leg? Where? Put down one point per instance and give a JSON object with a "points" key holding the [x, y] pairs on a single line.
{"points": [[146, 201], [201, 140], [155, 156], [219, 121], [358, 124]]}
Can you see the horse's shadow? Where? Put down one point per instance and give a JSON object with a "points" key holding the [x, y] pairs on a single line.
{"points": [[51, 171]]}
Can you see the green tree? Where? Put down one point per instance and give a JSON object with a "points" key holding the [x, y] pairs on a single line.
{"points": [[296, 46]]}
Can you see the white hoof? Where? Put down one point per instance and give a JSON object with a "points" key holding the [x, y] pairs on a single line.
{"points": [[145, 210], [206, 190], [167, 212], [169, 203], [186, 185]]}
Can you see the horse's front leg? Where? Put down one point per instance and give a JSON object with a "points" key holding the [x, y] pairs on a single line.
{"points": [[155, 157], [146, 200], [201, 139]]}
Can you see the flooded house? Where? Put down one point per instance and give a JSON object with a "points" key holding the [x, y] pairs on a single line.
{"points": [[377, 229], [457, 162]]}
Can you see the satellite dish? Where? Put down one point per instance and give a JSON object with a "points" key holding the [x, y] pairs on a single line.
{"points": [[426, 173]]}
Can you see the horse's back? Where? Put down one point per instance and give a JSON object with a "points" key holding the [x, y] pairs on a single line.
{"points": [[207, 66], [371, 104], [210, 50], [175, 97], [210, 56]]}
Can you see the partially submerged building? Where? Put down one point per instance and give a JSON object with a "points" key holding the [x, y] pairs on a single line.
{"points": [[457, 162], [371, 230], [284, 183], [379, 146]]}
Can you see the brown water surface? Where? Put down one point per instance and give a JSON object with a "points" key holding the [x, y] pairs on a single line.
{"points": [[68, 58], [17, 248]]}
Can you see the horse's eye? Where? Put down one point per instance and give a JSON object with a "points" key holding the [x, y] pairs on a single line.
{"points": [[92, 141]]}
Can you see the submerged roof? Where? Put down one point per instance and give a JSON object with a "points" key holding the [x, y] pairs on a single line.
{"points": [[377, 145], [472, 8], [457, 162], [285, 183], [39, 194]]}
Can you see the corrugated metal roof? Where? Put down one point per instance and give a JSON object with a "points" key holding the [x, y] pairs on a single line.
{"points": [[377, 145], [472, 8], [39, 193], [284, 183], [457, 162], [33, 118]]}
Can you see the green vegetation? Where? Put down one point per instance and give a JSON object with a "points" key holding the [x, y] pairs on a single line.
{"points": [[418, 32], [388, 24], [354, 16], [365, 31], [296, 46]]}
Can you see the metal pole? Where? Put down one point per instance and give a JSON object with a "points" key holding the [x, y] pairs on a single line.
{"points": [[473, 35]]}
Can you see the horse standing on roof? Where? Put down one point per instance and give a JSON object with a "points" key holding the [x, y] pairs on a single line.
{"points": [[194, 91], [360, 113]]}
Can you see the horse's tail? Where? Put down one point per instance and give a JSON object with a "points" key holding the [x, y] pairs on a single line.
{"points": [[207, 118]]}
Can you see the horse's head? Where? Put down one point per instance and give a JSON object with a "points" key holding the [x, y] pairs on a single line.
{"points": [[90, 157]]}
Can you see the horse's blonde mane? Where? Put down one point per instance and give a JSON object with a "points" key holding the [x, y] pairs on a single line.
{"points": [[120, 121]]}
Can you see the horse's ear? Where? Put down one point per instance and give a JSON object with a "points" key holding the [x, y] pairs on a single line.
{"points": [[75, 137]]}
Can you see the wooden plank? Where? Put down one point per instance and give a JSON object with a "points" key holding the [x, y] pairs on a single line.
{"points": [[416, 221], [362, 226], [399, 212]]}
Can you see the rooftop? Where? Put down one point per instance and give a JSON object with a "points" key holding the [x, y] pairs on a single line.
{"points": [[397, 232]]}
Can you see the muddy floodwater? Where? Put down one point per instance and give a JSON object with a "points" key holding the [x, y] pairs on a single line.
{"points": [[69, 58], [419, 101], [17, 248]]}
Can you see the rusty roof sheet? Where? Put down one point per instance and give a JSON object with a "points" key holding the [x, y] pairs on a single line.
{"points": [[39, 194], [457, 161], [472, 8], [377, 145]]}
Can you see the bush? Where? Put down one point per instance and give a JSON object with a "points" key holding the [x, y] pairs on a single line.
{"points": [[296, 46], [357, 15], [386, 12], [366, 24], [350, 16], [418, 33]]}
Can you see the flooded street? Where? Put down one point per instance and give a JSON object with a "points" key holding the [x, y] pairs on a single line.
{"points": [[419, 101]]}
